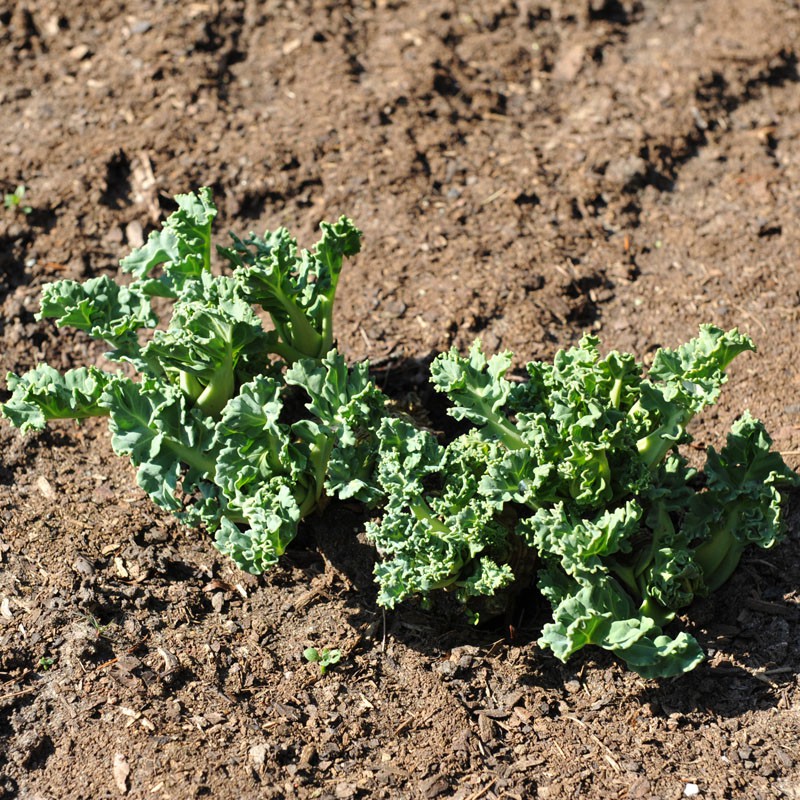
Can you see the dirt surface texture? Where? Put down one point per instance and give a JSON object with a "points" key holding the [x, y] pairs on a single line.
{"points": [[524, 171]]}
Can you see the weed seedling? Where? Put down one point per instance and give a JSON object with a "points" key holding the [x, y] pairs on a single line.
{"points": [[13, 200], [325, 658]]}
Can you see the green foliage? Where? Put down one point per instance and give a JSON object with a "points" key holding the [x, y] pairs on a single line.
{"points": [[346, 399], [182, 247], [213, 422], [742, 501], [45, 394], [104, 309], [572, 478], [325, 657], [297, 288], [438, 531], [575, 473], [15, 200]]}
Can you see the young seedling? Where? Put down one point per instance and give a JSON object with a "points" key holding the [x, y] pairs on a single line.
{"points": [[325, 657], [13, 200]]}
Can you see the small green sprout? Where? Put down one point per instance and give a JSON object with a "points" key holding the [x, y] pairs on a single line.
{"points": [[13, 200], [45, 663], [325, 658]]}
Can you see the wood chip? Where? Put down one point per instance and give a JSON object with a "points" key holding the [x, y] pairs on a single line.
{"points": [[119, 564], [121, 772], [434, 786], [46, 489], [79, 52], [144, 184], [308, 754], [485, 728], [522, 713], [494, 713], [171, 662], [291, 46], [217, 585]]}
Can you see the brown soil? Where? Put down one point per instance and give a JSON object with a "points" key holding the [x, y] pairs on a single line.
{"points": [[524, 171]]}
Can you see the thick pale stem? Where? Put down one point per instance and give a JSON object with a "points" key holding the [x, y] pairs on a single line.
{"points": [[195, 459], [219, 390]]}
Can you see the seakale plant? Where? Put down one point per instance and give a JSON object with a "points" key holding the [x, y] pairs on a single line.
{"points": [[229, 424], [573, 479], [576, 475]]}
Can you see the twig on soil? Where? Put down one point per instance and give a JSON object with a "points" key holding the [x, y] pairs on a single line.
{"points": [[496, 647], [760, 676], [764, 563], [607, 753], [738, 670], [367, 340], [128, 652], [482, 792], [494, 195], [29, 690], [406, 722], [790, 612], [778, 670], [19, 678], [310, 595]]}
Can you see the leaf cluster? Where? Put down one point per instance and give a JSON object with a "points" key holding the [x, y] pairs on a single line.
{"points": [[326, 657], [576, 475], [229, 424], [16, 200]]}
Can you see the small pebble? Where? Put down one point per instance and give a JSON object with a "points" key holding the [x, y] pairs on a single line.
{"points": [[83, 566], [134, 233], [446, 668], [258, 755], [691, 790]]}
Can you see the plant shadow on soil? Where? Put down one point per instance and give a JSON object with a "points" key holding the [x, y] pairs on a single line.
{"points": [[17, 235], [18, 452], [741, 633]]}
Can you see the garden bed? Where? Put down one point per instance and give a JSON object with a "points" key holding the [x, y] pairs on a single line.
{"points": [[522, 172]]}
